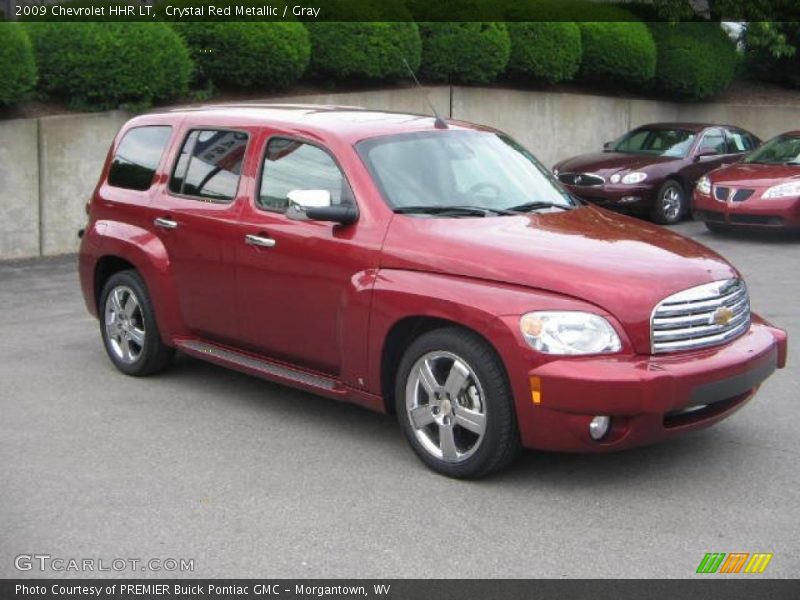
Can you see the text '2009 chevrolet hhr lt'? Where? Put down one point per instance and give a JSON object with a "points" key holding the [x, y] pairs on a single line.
{"points": [[420, 267]]}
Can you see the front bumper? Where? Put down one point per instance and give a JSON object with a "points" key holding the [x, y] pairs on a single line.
{"points": [[615, 197], [754, 212], [650, 398]]}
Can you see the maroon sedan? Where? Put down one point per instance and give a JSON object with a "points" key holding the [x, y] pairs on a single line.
{"points": [[761, 191], [651, 170]]}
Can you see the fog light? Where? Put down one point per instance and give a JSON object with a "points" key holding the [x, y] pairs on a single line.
{"points": [[629, 199], [598, 427]]}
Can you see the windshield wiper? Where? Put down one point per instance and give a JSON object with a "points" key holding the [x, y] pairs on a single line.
{"points": [[467, 211], [530, 206]]}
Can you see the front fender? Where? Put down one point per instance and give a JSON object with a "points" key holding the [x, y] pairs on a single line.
{"points": [[490, 309]]}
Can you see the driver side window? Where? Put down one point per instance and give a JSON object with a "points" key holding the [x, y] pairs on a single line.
{"points": [[713, 141], [293, 165]]}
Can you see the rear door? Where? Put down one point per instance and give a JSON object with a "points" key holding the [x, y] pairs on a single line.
{"points": [[196, 217]]}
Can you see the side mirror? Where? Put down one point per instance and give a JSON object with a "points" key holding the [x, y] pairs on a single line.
{"points": [[305, 199], [705, 155], [315, 205], [608, 146]]}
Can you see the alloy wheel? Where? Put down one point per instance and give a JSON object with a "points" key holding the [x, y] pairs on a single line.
{"points": [[446, 406], [124, 323], [671, 202]]}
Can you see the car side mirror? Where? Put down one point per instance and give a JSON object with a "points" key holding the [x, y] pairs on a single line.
{"points": [[315, 205], [608, 146], [705, 155]]}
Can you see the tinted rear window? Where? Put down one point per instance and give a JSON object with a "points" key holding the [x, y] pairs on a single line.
{"points": [[137, 157], [209, 164]]}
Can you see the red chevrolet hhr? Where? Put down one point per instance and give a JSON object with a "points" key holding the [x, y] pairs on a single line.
{"points": [[426, 268]]}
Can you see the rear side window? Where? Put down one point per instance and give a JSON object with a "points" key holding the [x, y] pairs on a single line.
{"points": [[137, 157], [210, 164], [739, 141], [292, 165]]}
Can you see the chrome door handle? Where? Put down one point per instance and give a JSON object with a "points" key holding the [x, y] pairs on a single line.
{"points": [[165, 223], [257, 240]]}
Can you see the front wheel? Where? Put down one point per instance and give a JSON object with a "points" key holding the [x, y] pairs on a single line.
{"points": [[454, 404], [128, 326], [670, 203]]}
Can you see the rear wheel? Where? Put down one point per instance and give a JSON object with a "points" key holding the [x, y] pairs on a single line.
{"points": [[670, 203], [455, 406], [128, 326]]}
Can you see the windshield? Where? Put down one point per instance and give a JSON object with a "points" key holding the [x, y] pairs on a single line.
{"points": [[465, 169], [784, 149], [657, 142]]}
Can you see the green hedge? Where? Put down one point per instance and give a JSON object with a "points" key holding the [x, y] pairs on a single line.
{"points": [[617, 52], [695, 60], [363, 50], [547, 50], [270, 55], [371, 41], [17, 66], [470, 53], [107, 65]]}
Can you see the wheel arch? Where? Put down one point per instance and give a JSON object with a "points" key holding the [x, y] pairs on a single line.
{"points": [[403, 333], [124, 246], [680, 180], [104, 268]]}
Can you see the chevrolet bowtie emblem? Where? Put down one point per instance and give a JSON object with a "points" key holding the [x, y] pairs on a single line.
{"points": [[722, 316]]}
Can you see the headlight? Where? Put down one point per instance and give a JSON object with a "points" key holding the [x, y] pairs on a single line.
{"points": [[614, 178], [635, 177], [568, 332], [704, 185], [784, 190]]}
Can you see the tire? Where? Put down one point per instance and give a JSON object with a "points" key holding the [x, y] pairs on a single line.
{"points": [[478, 396], [670, 203], [128, 326], [717, 227]]}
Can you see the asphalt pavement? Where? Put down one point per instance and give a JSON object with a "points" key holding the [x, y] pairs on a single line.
{"points": [[251, 479]]}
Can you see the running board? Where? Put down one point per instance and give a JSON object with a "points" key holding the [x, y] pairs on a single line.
{"points": [[258, 366]]}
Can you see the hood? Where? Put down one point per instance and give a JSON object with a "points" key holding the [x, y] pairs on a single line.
{"points": [[615, 262], [610, 162], [753, 175]]}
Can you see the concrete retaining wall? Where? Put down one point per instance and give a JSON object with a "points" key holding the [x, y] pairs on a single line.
{"points": [[49, 166], [72, 149], [19, 188]]}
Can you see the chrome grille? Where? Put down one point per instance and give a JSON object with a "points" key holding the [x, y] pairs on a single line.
{"points": [[706, 315], [581, 179]]}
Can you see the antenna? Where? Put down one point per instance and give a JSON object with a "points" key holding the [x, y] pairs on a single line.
{"points": [[439, 122]]}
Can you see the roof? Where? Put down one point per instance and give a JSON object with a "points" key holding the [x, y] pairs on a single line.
{"points": [[683, 125], [351, 123]]}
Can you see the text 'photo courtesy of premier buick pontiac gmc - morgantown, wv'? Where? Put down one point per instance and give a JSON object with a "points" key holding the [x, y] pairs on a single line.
{"points": [[431, 269]]}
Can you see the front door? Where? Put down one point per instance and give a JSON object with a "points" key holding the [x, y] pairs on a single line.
{"points": [[298, 280], [710, 153]]}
